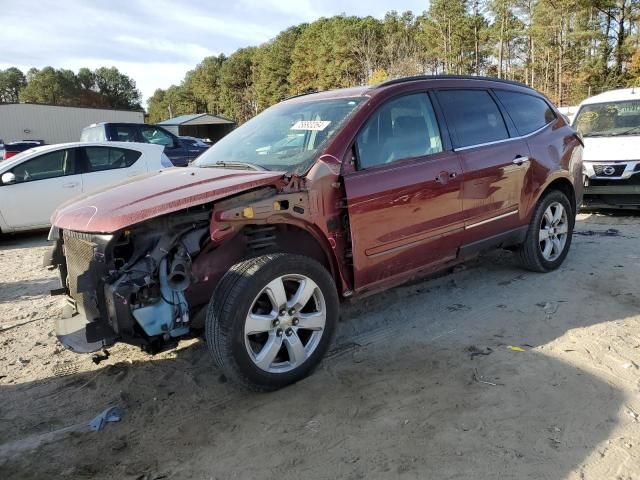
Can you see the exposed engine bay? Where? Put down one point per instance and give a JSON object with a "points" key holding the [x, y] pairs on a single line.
{"points": [[130, 285], [149, 284]]}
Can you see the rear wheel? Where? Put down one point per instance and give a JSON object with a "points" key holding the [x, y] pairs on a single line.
{"points": [[549, 235], [271, 320]]}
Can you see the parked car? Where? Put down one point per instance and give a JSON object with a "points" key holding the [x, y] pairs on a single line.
{"points": [[259, 248], [33, 183], [8, 150], [200, 142], [610, 126], [179, 152], [195, 144]]}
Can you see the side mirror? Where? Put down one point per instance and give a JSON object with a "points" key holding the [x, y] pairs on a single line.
{"points": [[8, 178]]}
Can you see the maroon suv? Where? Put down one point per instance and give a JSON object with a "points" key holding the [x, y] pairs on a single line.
{"points": [[320, 198]]}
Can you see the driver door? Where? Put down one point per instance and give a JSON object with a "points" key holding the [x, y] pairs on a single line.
{"points": [[42, 183], [404, 200]]}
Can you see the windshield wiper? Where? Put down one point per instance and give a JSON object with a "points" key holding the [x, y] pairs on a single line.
{"points": [[627, 131], [611, 134], [236, 165]]}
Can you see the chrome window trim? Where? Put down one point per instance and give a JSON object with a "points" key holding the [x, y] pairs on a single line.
{"points": [[489, 220], [521, 137]]}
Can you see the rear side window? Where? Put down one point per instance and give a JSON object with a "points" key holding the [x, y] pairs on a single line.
{"points": [[108, 158], [473, 117], [50, 165], [404, 127], [93, 134], [124, 133], [529, 113]]}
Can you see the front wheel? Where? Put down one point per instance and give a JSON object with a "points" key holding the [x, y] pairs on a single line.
{"points": [[271, 320], [549, 235]]}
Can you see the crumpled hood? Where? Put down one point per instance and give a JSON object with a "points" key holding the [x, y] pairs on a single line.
{"points": [[608, 149], [155, 194]]}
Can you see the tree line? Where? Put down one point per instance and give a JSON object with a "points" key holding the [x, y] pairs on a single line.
{"points": [[102, 88], [568, 49]]}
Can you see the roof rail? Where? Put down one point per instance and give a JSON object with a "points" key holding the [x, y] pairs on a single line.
{"points": [[308, 92], [449, 77]]}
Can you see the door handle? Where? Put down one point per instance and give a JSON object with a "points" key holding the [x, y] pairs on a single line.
{"points": [[70, 185], [444, 177], [519, 160]]}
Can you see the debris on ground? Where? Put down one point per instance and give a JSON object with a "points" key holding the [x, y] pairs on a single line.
{"points": [[475, 351], [111, 414], [479, 378], [99, 357], [516, 348], [610, 232]]}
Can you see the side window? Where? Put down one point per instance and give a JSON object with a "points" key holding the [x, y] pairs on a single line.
{"points": [[529, 113], [93, 134], [473, 117], [49, 165], [404, 127], [125, 133], [156, 136], [109, 158]]}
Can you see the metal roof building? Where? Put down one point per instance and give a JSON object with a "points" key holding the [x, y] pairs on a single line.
{"points": [[55, 123], [202, 125]]}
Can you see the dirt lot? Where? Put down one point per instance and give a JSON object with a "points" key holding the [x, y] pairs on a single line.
{"points": [[421, 383]]}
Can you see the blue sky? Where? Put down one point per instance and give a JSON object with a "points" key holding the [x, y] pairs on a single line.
{"points": [[155, 41]]}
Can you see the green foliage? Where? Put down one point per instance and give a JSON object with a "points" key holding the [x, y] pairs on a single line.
{"points": [[12, 81], [203, 83], [568, 49], [237, 95], [118, 89], [272, 64], [323, 57], [104, 87]]}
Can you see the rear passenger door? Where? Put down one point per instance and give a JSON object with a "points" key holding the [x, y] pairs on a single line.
{"points": [[495, 161], [404, 198], [104, 166]]}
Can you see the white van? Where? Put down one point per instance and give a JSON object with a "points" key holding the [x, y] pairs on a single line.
{"points": [[610, 126]]}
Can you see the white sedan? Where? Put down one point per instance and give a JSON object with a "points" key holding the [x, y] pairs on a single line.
{"points": [[33, 183]]}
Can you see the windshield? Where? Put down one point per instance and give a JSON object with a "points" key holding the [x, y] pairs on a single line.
{"points": [[609, 119], [287, 136]]}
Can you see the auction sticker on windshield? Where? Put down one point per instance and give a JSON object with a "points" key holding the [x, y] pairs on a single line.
{"points": [[311, 125]]}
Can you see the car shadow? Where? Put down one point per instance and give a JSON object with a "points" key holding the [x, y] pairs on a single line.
{"points": [[421, 382], [12, 291], [13, 241]]}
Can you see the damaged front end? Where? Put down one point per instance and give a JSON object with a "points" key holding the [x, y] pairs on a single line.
{"points": [[129, 286]]}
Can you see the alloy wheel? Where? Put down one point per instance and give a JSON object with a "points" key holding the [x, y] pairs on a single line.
{"points": [[554, 229], [285, 323]]}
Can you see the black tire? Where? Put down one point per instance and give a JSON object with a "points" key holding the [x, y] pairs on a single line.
{"points": [[230, 304], [529, 253]]}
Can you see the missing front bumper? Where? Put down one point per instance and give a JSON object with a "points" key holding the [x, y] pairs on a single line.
{"points": [[78, 334]]}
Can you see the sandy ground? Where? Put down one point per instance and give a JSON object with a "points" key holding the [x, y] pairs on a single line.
{"points": [[421, 383]]}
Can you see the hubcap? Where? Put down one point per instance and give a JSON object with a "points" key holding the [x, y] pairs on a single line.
{"points": [[285, 323], [554, 229]]}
